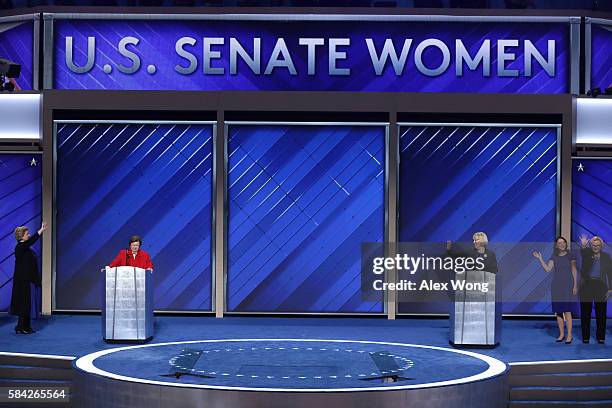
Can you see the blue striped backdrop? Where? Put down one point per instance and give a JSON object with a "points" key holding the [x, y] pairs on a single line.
{"points": [[115, 180], [592, 202], [20, 204], [301, 201], [455, 181]]}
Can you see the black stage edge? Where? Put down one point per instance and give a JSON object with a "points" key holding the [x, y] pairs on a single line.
{"points": [[111, 341]]}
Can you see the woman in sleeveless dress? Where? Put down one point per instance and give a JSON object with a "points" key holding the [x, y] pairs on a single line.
{"points": [[564, 285]]}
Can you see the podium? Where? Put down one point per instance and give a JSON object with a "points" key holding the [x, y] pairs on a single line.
{"points": [[127, 312], [475, 317]]}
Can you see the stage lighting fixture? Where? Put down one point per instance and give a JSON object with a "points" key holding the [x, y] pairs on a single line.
{"points": [[9, 69], [594, 92]]}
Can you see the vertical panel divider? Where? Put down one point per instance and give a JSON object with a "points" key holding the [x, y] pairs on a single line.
{"points": [[565, 140], [219, 215], [36, 53], [48, 210], [48, 72], [391, 197], [587, 54], [575, 55]]}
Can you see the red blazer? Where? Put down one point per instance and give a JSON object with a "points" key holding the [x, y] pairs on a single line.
{"points": [[142, 259]]}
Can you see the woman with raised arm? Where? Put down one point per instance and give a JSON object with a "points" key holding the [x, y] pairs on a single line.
{"points": [[595, 286], [564, 286], [26, 272]]}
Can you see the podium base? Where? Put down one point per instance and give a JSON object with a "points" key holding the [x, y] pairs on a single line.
{"points": [[130, 341], [485, 346]]}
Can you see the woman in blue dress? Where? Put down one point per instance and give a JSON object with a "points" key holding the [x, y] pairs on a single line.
{"points": [[564, 285]]}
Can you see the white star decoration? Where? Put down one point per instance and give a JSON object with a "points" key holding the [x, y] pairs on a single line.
{"points": [[580, 167], [33, 162]]}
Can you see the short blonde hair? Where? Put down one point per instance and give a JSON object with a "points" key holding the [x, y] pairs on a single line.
{"points": [[596, 238], [482, 236], [20, 232]]}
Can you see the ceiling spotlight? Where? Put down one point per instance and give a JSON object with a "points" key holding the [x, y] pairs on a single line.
{"points": [[594, 92]]}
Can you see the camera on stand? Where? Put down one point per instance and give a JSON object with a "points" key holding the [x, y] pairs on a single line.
{"points": [[8, 70]]}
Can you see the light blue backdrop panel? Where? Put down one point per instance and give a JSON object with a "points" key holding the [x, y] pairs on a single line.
{"points": [[116, 180], [302, 199]]}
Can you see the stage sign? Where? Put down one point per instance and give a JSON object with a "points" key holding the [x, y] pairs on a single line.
{"points": [[17, 45], [315, 55], [601, 55]]}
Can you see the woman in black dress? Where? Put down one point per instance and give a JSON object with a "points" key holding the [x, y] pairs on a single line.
{"points": [[26, 272], [564, 286]]}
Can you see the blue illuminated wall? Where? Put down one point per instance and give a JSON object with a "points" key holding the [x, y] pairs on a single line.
{"points": [[455, 181], [592, 201], [20, 204], [116, 180], [301, 201]]}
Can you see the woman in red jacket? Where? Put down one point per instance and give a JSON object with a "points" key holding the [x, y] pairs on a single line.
{"points": [[134, 256]]}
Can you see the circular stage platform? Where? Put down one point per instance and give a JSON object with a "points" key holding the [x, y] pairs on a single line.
{"points": [[289, 372]]}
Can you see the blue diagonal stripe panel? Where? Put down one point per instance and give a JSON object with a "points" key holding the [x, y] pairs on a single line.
{"points": [[455, 181], [302, 199], [20, 204], [116, 180]]}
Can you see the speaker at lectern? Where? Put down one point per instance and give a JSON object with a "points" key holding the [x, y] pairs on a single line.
{"points": [[127, 312]]}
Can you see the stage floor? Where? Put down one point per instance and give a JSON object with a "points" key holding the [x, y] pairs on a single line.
{"points": [[522, 340], [269, 372], [293, 364]]}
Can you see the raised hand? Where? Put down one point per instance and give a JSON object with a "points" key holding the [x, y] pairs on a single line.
{"points": [[584, 241], [537, 255]]}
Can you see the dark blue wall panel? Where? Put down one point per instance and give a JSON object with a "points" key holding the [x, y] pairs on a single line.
{"points": [[592, 201], [455, 181], [601, 56], [20, 204], [115, 180], [301, 201]]}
